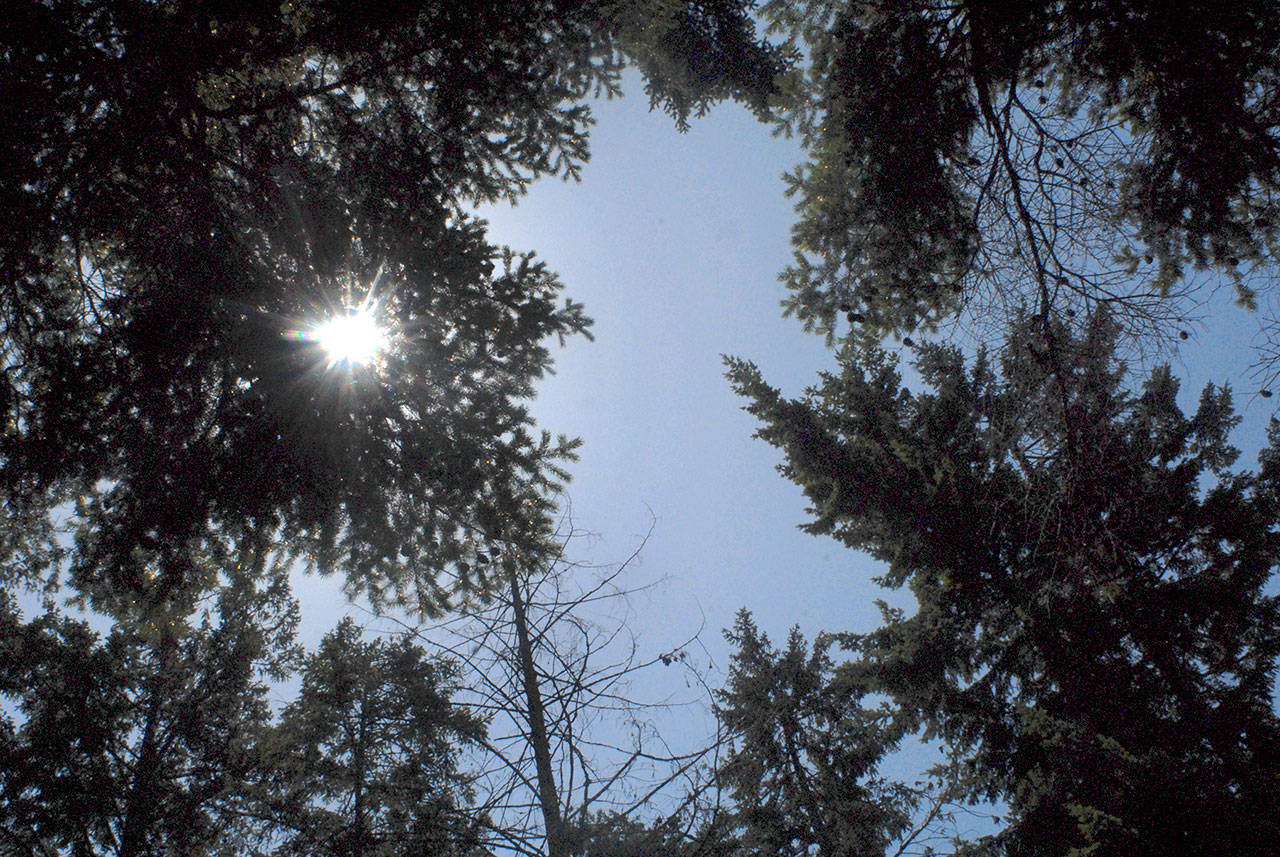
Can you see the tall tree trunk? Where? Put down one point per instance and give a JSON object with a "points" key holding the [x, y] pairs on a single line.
{"points": [[358, 750], [548, 795], [140, 805]]}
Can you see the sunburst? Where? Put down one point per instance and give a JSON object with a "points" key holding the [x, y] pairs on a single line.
{"points": [[349, 335], [353, 337]]}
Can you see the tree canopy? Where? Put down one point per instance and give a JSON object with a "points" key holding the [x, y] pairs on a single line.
{"points": [[975, 157], [147, 740], [197, 187], [191, 182], [367, 757], [1095, 641], [802, 770], [197, 190]]}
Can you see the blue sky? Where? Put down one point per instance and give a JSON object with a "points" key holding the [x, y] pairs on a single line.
{"points": [[674, 243]]}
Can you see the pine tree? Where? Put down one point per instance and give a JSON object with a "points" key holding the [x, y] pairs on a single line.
{"points": [[1094, 641], [804, 750], [147, 741], [196, 186], [367, 756]]}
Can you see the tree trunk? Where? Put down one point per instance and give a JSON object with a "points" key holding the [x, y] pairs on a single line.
{"points": [[548, 796], [140, 805]]}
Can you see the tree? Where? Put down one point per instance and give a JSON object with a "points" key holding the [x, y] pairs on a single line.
{"points": [[197, 186], [146, 742], [615, 834], [1093, 641], [192, 182], [804, 750], [367, 757], [979, 158], [160, 741], [694, 54], [196, 190], [572, 764]]}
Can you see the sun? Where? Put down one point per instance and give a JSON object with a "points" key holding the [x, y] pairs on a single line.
{"points": [[351, 333], [353, 337]]}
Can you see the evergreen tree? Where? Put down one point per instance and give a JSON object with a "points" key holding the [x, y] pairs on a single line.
{"points": [[1093, 640], [804, 751], [196, 186], [367, 756], [613, 834], [694, 53], [979, 155], [146, 742]]}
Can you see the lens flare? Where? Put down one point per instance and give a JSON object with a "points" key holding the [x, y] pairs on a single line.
{"points": [[354, 337], [351, 331]]}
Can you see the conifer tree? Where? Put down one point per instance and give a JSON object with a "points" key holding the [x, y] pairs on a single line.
{"points": [[975, 157], [1094, 641], [196, 187], [367, 757], [145, 740], [804, 751]]}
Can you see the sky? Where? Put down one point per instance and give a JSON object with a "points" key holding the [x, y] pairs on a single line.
{"points": [[674, 242]]}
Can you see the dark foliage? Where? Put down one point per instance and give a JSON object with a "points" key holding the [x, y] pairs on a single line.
{"points": [[366, 759], [189, 181], [802, 768], [145, 742], [621, 835], [695, 53], [190, 186], [1094, 642], [983, 155]]}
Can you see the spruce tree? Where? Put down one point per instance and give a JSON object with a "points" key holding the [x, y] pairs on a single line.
{"points": [[804, 748], [196, 187], [367, 757], [146, 740], [1094, 640]]}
